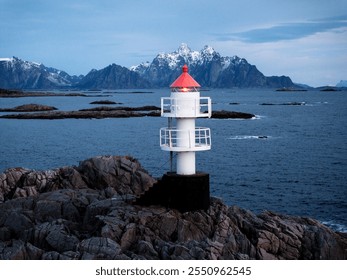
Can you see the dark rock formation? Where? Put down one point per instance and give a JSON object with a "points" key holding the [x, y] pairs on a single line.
{"points": [[104, 102], [29, 108], [86, 212], [231, 115], [127, 109], [98, 113], [117, 112]]}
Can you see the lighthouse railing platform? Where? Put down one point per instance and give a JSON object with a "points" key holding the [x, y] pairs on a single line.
{"points": [[171, 139], [192, 107]]}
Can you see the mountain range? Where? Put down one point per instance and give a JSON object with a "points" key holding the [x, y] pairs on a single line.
{"points": [[16, 73], [207, 66]]}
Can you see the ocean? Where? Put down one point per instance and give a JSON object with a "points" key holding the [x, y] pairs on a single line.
{"points": [[291, 158]]}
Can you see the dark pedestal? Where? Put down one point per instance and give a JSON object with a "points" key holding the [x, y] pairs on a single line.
{"points": [[182, 192]]}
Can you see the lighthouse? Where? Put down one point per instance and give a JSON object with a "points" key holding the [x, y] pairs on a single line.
{"points": [[183, 106], [186, 189]]}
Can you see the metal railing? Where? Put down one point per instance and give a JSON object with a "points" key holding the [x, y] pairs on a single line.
{"points": [[172, 139], [194, 107]]}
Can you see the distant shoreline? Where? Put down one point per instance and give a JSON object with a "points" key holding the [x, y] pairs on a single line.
{"points": [[13, 93]]}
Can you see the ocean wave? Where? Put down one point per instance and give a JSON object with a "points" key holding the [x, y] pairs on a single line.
{"points": [[335, 226], [243, 137], [258, 117]]}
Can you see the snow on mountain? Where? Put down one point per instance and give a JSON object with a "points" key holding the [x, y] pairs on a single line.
{"points": [[6, 59], [141, 67], [208, 67], [18, 73], [342, 83], [184, 55]]}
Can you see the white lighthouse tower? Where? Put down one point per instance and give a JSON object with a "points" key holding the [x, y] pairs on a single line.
{"points": [[186, 189], [185, 105]]}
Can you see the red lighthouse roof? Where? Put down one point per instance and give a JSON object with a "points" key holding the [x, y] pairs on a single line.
{"points": [[185, 80]]}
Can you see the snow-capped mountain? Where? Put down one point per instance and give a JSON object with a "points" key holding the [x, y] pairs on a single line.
{"points": [[21, 74], [342, 83], [208, 67]]}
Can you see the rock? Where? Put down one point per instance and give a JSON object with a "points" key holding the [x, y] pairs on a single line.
{"points": [[116, 112], [99, 248], [87, 212], [124, 174], [14, 250], [231, 115], [77, 115], [62, 241], [29, 108], [105, 102]]}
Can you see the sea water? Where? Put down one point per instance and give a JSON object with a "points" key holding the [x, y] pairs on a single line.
{"points": [[291, 159]]}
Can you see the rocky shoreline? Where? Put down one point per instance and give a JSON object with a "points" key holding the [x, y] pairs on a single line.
{"points": [[88, 212]]}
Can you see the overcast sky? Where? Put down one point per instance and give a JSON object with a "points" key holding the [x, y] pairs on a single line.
{"points": [[303, 39]]}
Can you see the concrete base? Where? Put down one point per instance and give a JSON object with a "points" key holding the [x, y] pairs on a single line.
{"points": [[182, 192]]}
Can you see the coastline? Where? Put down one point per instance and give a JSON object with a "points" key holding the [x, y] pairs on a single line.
{"points": [[88, 212]]}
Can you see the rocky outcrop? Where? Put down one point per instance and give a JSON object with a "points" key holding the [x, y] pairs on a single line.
{"points": [[111, 174], [105, 102], [97, 113], [231, 115], [29, 108], [117, 112], [87, 212]]}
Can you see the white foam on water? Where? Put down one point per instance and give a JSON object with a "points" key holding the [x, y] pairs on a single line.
{"points": [[246, 137], [335, 226]]}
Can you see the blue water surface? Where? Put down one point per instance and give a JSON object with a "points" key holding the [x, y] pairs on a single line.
{"points": [[290, 159]]}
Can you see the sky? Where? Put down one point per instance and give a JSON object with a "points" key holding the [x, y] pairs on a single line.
{"points": [[303, 39]]}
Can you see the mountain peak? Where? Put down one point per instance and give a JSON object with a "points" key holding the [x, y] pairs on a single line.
{"points": [[184, 50], [208, 49], [208, 53]]}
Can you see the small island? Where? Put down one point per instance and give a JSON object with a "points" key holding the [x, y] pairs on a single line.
{"points": [[29, 108], [105, 112], [290, 89], [104, 102]]}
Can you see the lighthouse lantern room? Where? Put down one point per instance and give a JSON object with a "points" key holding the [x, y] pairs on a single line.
{"points": [[185, 105]]}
